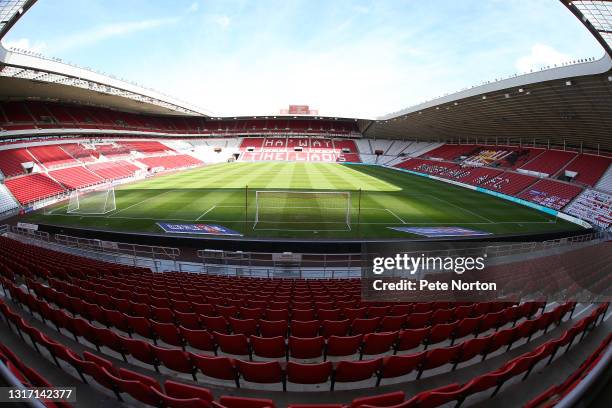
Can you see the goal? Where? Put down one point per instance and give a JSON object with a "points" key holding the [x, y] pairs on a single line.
{"points": [[303, 210], [98, 201]]}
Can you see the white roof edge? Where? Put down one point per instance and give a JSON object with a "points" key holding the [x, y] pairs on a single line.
{"points": [[10, 57], [599, 66]]}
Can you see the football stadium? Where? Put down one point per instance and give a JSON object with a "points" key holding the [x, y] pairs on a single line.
{"points": [[455, 252]]}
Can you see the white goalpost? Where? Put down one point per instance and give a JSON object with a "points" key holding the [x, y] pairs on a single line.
{"points": [[100, 200], [303, 210]]}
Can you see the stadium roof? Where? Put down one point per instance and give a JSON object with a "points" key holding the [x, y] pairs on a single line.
{"points": [[10, 12], [569, 105], [562, 106], [27, 74], [596, 15], [566, 106]]}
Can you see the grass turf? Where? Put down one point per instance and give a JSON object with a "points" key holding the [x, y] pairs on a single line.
{"points": [[217, 195]]}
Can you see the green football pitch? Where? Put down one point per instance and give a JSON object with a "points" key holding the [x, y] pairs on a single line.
{"points": [[304, 200]]}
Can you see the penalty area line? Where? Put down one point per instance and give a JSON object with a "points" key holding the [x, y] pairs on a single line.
{"points": [[462, 209], [138, 203], [395, 215], [206, 212]]}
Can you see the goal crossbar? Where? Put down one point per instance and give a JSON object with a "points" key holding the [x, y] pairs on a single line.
{"points": [[308, 207], [100, 200]]}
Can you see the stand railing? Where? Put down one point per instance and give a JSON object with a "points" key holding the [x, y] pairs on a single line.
{"points": [[266, 264]]}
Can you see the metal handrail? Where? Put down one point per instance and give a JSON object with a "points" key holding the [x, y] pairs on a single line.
{"points": [[263, 264], [14, 382], [577, 393]]}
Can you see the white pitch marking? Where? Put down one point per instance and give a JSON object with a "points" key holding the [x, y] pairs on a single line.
{"points": [[396, 216], [138, 203], [293, 222], [464, 209], [206, 212]]}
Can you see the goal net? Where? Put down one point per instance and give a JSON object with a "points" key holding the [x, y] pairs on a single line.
{"points": [[98, 201], [303, 210]]}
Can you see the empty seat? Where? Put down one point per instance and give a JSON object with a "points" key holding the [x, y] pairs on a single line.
{"points": [[308, 328], [306, 348], [398, 366], [268, 347], [317, 373], [262, 372], [237, 344], [353, 371], [342, 346], [378, 343], [273, 328], [175, 359], [221, 368]]}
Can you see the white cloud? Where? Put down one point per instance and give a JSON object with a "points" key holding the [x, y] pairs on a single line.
{"points": [[107, 31], [26, 44], [337, 81], [194, 7], [222, 20], [541, 55]]}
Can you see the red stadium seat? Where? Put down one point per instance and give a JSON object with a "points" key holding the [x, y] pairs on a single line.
{"points": [[273, 314], [306, 348], [248, 327], [140, 326], [392, 323], [199, 339], [188, 320], [335, 327], [180, 391], [176, 360], [309, 373], [236, 344], [168, 333], [378, 343], [140, 350], [221, 368], [397, 366], [308, 328], [137, 386], [438, 357], [303, 314], [342, 346], [411, 338], [353, 371], [354, 313], [110, 339], [365, 326], [262, 372], [269, 347], [174, 402], [251, 313], [274, 328], [418, 320], [467, 326], [329, 314], [441, 332], [244, 402], [382, 400], [439, 396], [215, 324]]}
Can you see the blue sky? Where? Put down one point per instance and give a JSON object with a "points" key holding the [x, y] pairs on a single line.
{"points": [[343, 57]]}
